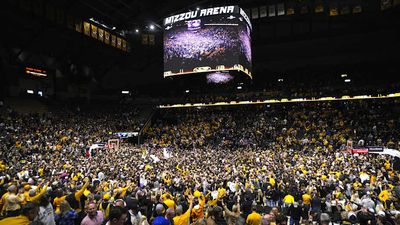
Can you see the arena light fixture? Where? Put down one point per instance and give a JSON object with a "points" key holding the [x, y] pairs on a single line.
{"points": [[29, 91], [280, 80], [343, 75], [40, 93], [136, 30], [187, 91], [239, 87], [152, 27], [198, 8], [125, 92], [347, 81]]}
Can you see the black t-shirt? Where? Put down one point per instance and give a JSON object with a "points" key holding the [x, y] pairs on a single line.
{"points": [[363, 218], [295, 212]]}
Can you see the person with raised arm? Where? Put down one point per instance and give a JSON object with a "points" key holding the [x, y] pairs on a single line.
{"points": [[183, 219]]}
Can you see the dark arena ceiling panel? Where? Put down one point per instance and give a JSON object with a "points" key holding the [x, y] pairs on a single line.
{"points": [[38, 33]]}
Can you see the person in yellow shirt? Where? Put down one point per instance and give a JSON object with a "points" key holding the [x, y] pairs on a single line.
{"points": [[169, 202], [57, 200], [253, 218], [27, 188], [121, 192], [288, 199], [105, 205], [29, 212], [272, 181], [74, 199], [13, 201], [357, 185], [387, 165], [2, 202], [384, 196], [167, 180], [35, 196], [183, 219], [198, 210], [306, 201]]}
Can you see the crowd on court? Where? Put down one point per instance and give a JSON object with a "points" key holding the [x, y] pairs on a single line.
{"points": [[268, 164]]}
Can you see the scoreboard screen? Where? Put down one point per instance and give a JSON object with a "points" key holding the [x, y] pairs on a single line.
{"points": [[207, 40]]}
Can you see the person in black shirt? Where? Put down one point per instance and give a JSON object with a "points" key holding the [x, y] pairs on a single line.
{"points": [[365, 217], [295, 212]]}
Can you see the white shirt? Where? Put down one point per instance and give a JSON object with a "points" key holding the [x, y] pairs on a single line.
{"points": [[46, 215], [135, 219]]}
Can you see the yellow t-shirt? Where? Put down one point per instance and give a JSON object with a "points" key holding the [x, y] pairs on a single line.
{"points": [[387, 165], [288, 199], [182, 219], [272, 181], [170, 203], [57, 202]]}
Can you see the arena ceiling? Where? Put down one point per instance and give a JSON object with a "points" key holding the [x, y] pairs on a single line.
{"points": [[280, 44]]}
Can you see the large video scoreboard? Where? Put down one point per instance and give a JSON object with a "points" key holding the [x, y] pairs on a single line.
{"points": [[207, 40]]}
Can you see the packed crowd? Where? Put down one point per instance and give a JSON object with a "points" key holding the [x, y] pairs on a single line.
{"points": [[231, 165], [299, 126]]}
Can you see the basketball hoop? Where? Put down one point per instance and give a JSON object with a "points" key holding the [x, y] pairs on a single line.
{"points": [[113, 143]]}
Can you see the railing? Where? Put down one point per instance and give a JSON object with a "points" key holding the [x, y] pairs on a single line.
{"points": [[147, 124]]}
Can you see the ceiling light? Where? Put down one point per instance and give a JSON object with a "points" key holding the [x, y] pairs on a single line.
{"points": [[347, 81], [152, 27]]}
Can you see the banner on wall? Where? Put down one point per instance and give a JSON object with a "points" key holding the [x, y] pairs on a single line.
{"points": [[151, 39], [357, 9], [86, 28], [386, 4], [333, 10], [319, 8], [94, 31], [106, 37], [304, 9], [113, 40], [281, 9], [145, 39], [101, 34], [78, 26], [123, 45], [271, 10], [263, 11], [119, 43], [345, 10]]}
